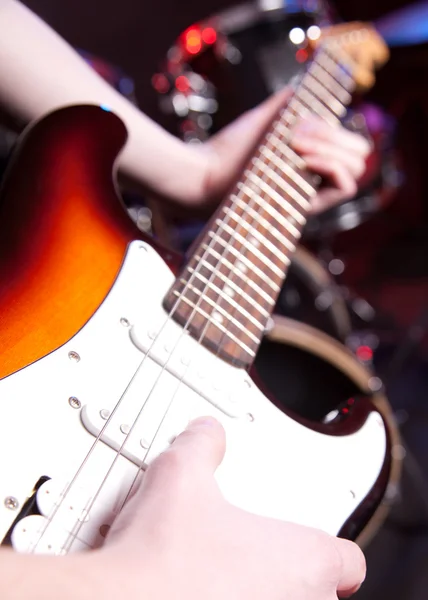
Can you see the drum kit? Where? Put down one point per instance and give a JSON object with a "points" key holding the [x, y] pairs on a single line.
{"points": [[217, 69]]}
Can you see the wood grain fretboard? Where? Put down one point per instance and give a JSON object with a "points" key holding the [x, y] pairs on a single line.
{"points": [[229, 287]]}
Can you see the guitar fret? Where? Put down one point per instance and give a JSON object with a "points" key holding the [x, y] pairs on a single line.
{"points": [[250, 248], [230, 300], [219, 326], [263, 241], [299, 108], [343, 63], [319, 73], [260, 291], [216, 317], [291, 173], [244, 259], [268, 208], [312, 102], [259, 237], [285, 150], [286, 187], [261, 220], [335, 71], [273, 195], [232, 286], [247, 264], [326, 96]]}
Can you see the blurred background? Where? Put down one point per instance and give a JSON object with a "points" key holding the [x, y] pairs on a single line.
{"points": [[361, 276]]}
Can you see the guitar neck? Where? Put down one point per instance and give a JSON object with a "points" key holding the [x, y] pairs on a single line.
{"points": [[228, 289]]}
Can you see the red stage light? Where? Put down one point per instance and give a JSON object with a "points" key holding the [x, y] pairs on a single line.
{"points": [[182, 84], [364, 353], [209, 35], [187, 126], [193, 41], [301, 55], [160, 83]]}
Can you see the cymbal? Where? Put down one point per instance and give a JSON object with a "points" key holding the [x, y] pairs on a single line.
{"points": [[405, 27]]}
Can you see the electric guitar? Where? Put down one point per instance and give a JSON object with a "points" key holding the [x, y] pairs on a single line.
{"points": [[106, 354]]}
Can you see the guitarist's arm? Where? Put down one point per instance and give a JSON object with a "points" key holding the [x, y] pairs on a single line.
{"points": [[41, 72]]}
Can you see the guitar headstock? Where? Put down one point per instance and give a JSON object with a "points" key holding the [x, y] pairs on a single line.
{"points": [[360, 45]]}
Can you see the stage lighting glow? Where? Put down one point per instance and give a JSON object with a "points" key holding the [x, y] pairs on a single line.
{"points": [[297, 35], [313, 32]]}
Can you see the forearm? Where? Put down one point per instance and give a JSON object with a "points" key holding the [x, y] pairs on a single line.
{"points": [[41, 72], [35, 577]]}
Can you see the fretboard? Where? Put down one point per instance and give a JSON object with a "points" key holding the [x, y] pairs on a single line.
{"points": [[229, 287]]}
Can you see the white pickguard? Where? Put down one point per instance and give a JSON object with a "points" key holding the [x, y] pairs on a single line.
{"points": [[273, 465]]}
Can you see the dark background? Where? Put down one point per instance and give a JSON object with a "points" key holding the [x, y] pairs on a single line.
{"points": [[135, 34]]}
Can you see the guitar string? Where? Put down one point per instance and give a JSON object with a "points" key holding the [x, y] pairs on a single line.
{"points": [[74, 533], [172, 399], [226, 251], [146, 356], [66, 492], [76, 529], [153, 440], [285, 140]]}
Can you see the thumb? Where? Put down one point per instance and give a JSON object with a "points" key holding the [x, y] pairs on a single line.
{"points": [[229, 150], [249, 126], [266, 111], [193, 455], [199, 448]]}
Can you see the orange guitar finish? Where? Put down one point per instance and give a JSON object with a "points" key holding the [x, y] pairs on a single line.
{"points": [[64, 232]]}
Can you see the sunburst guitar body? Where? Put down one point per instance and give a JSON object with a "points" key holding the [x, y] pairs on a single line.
{"points": [[98, 373], [110, 345]]}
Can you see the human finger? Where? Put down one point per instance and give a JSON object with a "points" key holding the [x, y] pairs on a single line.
{"points": [[329, 150], [173, 475], [317, 128], [353, 567], [199, 448], [339, 176]]}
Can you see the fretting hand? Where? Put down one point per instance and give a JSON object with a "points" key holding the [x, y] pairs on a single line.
{"points": [[335, 153]]}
